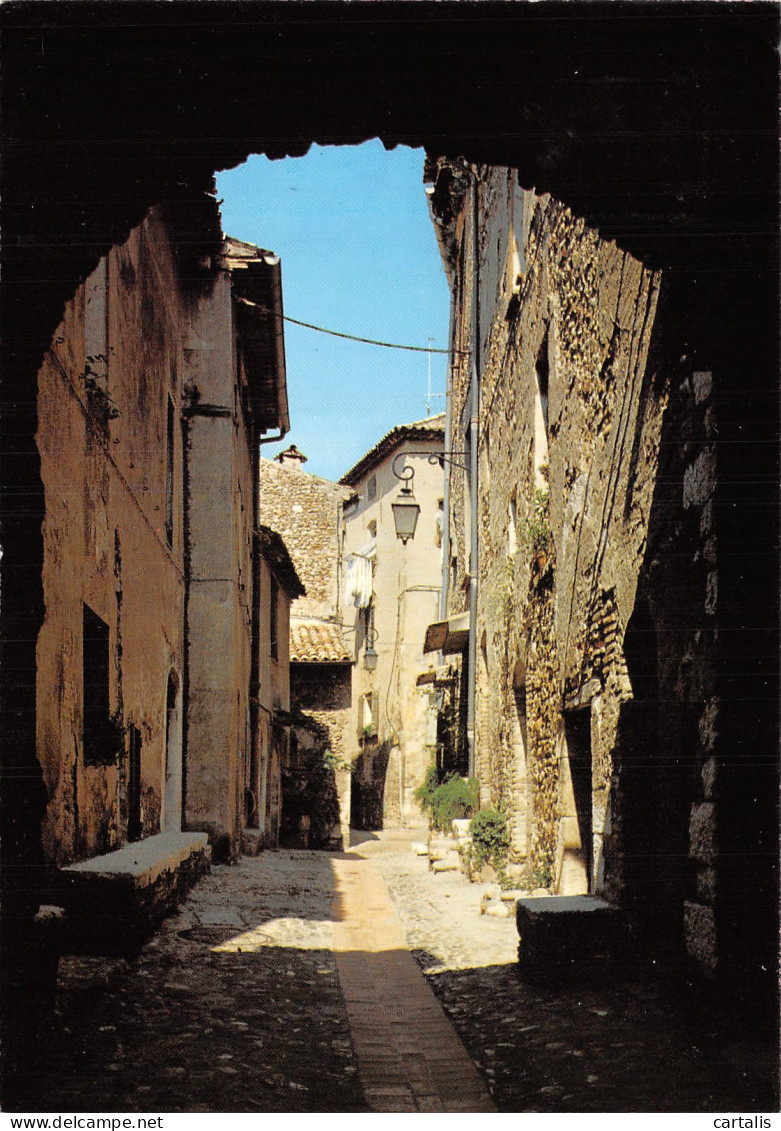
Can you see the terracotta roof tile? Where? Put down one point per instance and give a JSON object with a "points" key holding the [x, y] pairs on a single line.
{"points": [[314, 642]]}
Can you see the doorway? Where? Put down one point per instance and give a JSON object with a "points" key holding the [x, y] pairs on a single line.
{"points": [[578, 859], [134, 785], [172, 797]]}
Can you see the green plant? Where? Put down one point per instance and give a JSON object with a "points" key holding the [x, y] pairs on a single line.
{"points": [[538, 875], [454, 798], [425, 792], [490, 838], [535, 530], [332, 762]]}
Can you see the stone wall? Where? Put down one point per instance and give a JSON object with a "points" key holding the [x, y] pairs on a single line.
{"points": [[598, 695], [306, 511], [111, 546], [316, 781]]}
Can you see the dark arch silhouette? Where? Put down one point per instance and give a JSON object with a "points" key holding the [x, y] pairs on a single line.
{"points": [[655, 122]]}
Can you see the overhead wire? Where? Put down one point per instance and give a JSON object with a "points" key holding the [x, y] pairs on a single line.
{"points": [[340, 334]]}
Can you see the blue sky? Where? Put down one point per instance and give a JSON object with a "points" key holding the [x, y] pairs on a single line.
{"points": [[359, 255]]}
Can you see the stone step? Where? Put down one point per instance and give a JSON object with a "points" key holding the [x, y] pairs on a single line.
{"points": [[565, 937], [112, 902], [449, 864]]}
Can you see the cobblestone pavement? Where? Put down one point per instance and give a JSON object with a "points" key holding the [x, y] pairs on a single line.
{"points": [[235, 1005], [623, 1047]]}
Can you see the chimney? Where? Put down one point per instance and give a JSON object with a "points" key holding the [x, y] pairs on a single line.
{"points": [[291, 457]]}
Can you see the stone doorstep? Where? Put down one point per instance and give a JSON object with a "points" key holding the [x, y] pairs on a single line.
{"points": [[251, 842], [568, 934]]}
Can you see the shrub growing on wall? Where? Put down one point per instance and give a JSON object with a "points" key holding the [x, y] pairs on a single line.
{"points": [[490, 838], [424, 794]]}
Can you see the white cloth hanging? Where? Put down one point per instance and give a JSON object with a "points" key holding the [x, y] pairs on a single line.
{"points": [[358, 579]]}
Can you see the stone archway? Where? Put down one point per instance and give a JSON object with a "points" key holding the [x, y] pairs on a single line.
{"points": [[645, 125]]}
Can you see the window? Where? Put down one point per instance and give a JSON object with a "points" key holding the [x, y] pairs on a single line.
{"points": [[169, 475], [100, 738], [371, 488], [367, 616], [96, 347], [96, 325], [512, 525], [541, 422], [273, 618]]}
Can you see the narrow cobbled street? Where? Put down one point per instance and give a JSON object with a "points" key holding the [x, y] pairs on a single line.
{"points": [[284, 984]]}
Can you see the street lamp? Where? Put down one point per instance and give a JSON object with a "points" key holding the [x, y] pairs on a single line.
{"points": [[405, 508], [405, 514]]}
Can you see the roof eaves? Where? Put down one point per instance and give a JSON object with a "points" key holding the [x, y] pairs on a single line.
{"points": [[275, 552], [419, 430]]}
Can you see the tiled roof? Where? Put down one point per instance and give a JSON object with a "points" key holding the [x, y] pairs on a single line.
{"points": [[432, 428], [315, 642]]}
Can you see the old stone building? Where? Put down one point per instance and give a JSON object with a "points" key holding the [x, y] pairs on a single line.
{"points": [[307, 511], [152, 668], [584, 558], [277, 585], [392, 591], [236, 392]]}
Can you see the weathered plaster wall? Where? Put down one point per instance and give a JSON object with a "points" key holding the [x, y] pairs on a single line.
{"points": [[219, 501], [103, 456], [321, 695]]}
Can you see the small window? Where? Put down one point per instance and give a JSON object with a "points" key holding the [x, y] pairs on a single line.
{"points": [[100, 736], [371, 488], [273, 618], [512, 526]]}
